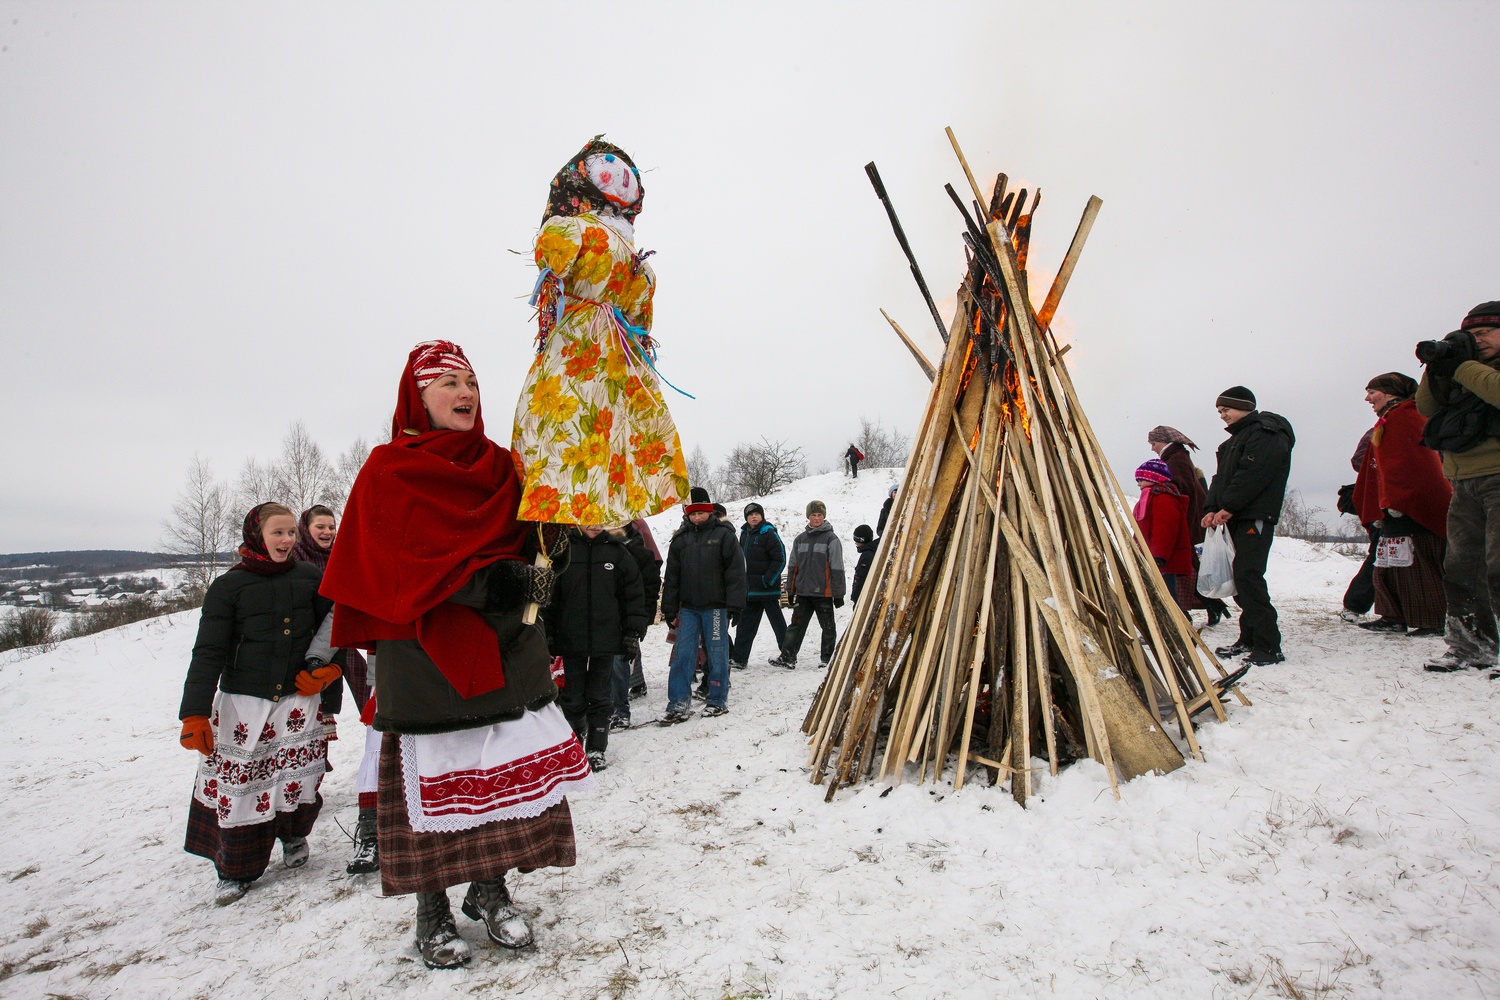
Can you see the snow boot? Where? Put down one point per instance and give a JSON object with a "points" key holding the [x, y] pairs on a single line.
{"points": [[295, 852], [713, 711], [597, 760], [736, 665], [490, 901], [229, 891], [1235, 649], [437, 938], [782, 660], [1450, 662], [1384, 625], [366, 848], [672, 716], [1264, 658]]}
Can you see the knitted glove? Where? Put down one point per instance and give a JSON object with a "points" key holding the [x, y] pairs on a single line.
{"points": [[197, 734], [513, 583], [315, 680], [333, 729]]}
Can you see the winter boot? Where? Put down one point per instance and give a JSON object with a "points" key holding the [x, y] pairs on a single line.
{"points": [[783, 660], [490, 901], [1384, 625], [437, 938], [1239, 648], [597, 760], [229, 891], [366, 848], [1450, 662], [295, 852]]}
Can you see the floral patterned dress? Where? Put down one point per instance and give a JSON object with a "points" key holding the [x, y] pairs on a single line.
{"points": [[593, 436]]}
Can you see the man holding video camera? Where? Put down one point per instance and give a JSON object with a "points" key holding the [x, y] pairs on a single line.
{"points": [[1460, 397]]}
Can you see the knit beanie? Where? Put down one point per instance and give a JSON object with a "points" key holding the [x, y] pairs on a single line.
{"points": [[698, 502], [1154, 470], [864, 533], [817, 507], [1394, 384], [754, 508], [1484, 314], [1236, 397]]}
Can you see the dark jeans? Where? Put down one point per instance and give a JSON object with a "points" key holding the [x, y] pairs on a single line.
{"points": [[744, 636], [1471, 568], [802, 615], [619, 686], [1252, 547], [585, 698], [1360, 597]]}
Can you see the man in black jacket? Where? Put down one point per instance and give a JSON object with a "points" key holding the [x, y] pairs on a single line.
{"points": [[1246, 494], [704, 590], [765, 557]]}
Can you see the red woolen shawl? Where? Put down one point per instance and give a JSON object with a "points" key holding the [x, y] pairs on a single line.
{"points": [[425, 512]]}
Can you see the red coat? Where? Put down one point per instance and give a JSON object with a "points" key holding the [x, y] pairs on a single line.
{"points": [[1400, 473], [1165, 526]]}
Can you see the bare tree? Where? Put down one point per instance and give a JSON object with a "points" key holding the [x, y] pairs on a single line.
{"points": [[29, 627], [345, 469], [1299, 519], [302, 476], [201, 523], [701, 473], [758, 469], [256, 484], [883, 449]]}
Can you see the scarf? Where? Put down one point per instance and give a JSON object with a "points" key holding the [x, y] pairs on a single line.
{"points": [[307, 548], [1162, 434], [254, 557], [425, 512], [574, 193]]}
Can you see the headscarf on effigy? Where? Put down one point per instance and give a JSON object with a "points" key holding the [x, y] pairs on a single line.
{"points": [[600, 178]]}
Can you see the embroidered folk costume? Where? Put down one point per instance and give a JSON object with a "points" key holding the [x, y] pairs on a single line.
{"points": [[430, 570], [593, 435], [265, 743]]}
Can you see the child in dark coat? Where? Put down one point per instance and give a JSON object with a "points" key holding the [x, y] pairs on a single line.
{"points": [[598, 613], [865, 544]]}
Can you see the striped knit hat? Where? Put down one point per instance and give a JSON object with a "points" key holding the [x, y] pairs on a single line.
{"points": [[1236, 397], [1482, 315], [1153, 470], [431, 358]]}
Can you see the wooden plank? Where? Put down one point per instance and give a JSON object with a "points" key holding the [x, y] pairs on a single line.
{"points": [[916, 352]]}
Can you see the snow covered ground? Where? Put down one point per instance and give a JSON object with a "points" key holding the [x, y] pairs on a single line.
{"points": [[1339, 841]]}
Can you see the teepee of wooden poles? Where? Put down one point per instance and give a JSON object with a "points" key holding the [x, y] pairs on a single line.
{"points": [[1013, 610]]}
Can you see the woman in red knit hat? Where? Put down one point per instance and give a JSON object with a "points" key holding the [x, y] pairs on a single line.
{"points": [[431, 571], [1162, 513]]}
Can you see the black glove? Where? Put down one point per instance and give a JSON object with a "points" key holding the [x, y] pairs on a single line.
{"points": [[734, 617], [1160, 563], [1444, 367], [630, 646], [1346, 500], [838, 602]]}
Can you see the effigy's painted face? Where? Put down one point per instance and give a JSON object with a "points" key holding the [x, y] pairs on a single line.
{"points": [[614, 178]]}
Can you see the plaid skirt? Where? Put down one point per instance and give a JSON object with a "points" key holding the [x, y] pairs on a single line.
{"points": [[1414, 594], [242, 852], [431, 862]]}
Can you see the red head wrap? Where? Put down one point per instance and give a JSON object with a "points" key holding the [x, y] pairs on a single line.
{"points": [[431, 358], [425, 512]]}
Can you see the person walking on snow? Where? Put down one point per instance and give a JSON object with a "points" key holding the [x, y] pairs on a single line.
{"points": [[1246, 494], [703, 592], [1460, 397], [765, 557], [815, 580], [258, 703], [853, 457]]}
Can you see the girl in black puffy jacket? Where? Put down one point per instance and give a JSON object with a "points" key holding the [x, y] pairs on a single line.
{"points": [[257, 704]]}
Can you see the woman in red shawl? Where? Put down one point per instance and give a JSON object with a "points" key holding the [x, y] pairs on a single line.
{"points": [[430, 571], [1401, 486]]}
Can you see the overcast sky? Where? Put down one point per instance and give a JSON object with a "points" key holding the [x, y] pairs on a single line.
{"points": [[216, 219]]}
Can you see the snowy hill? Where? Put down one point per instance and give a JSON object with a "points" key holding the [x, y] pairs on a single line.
{"points": [[1340, 835]]}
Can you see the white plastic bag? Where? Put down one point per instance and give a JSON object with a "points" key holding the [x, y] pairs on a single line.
{"points": [[1395, 552], [1216, 568]]}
